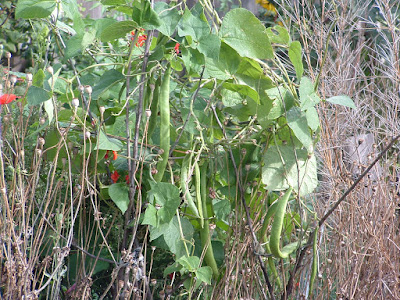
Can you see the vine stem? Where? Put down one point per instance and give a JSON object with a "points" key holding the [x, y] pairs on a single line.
{"points": [[248, 217], [289, 286]]}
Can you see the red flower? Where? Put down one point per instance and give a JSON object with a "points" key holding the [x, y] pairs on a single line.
{"points": [[106, 156], [141, 40], [177, 48], [114, 176], [7, 98], [115, 155]]}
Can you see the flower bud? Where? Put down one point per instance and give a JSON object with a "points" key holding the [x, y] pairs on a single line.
{"points": [[75, 102]]}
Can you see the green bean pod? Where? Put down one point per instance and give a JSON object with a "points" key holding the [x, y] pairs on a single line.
{"points": [[198, 194], [205, 236], [184, 181], [276, 229], [314, 266], [164, 125], [154, 108]]}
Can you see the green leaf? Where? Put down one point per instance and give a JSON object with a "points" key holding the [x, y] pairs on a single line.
{"points": [[242, 31], [308, 97], [144, 15], [150, 216], [117, 30], [209, 45], [113, 2], [38, 78], [342, 100], [312, 118], [278, 35], [166, 196], [295, 56], [169, 18], [171, 269], [49, 108], [282, 168], [190, 25], [76, 44], [193, 59], [242, 89], [190, 263], [225, 66], [106, 143], [108, 79], [37, 95], [297, 121], [119, 193], [28, 9], [171, 233], [204, 274]]}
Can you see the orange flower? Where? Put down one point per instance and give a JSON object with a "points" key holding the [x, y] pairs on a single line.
{"points": [[141, 40], [7, 98], [114, 176], [177, 48], [115, 155]]}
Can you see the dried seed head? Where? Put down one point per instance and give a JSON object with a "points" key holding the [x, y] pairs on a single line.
{"points": [[8, 55], [161, 294], [41, 141], [22, 153], [29, 76], [81, 88], [88, 89], [50, 70], [42, 120], [102, 109], [87, 134], [153, 281], [39, 152], [75, 102], [153, 248], [168, 289], [148, 113], [154, 171], [13, 79], [247, 167]]}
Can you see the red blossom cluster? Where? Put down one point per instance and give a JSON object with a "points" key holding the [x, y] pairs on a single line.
{"points": [[141, 39]]}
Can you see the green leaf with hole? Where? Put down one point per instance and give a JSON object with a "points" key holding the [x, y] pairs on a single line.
{"points": [[342, 100], [278, 35], [119, 193], [117, 30], [29, 9], [288, 166], [295, 56], [242, 31]]}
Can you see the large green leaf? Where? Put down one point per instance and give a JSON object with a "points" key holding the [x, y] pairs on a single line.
{"points": [[106, 143], [297, 121], [286, 166], [242, 31], [76, 44], [28, 9], [108, 79], [37, 95], [308, 97], [117, 30], [190, 25], [119, 193], [225, 66], [166, 197], [278, 35], [169, 18], [171, 234]]}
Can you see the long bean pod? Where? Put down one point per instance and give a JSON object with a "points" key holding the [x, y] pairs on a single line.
{"points": [[164, 125], [184, 180]]}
